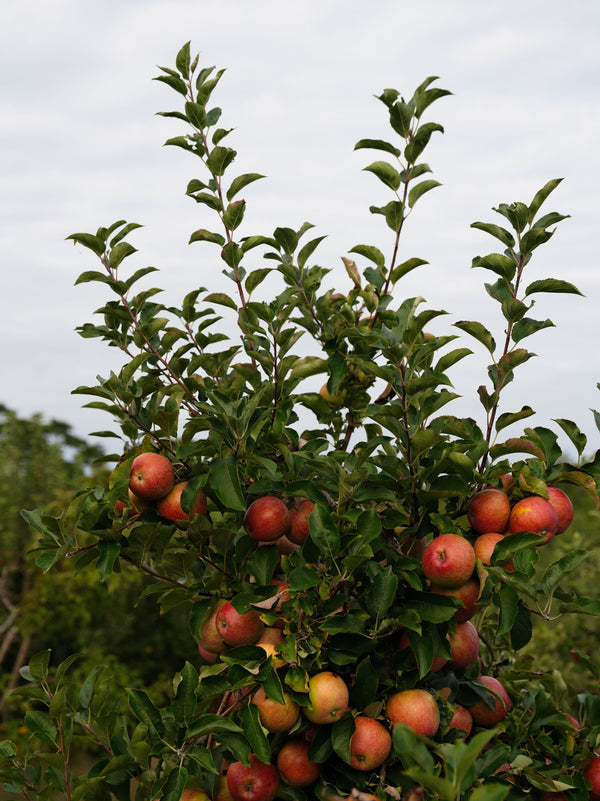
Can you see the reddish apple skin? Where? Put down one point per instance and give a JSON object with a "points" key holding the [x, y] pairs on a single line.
{"points": [[328, 696], [299, 527], [489, 510], [549, 795], [482, 714], [370, 745], [462, 720], [563, 508], [210, 637], [294, 766], [592, 773], [468, 593], [152, 476], [276, 717], [534, 514], [448, 560], [484, 548], [238, 628], [256, 782], [416, 708], [464, 646], [170, 508], [267, 519], [438, 661]]}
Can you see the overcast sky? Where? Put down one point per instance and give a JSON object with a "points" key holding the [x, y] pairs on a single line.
{"points": [[81, 146]]}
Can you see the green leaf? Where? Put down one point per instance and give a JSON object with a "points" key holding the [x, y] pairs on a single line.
{"points": [[234, 214], [420, 141], [490, 791], [38, 666], [222, 299], [555, 572], [196, 114], [323, 532], [341, 734], [211, 724], [479, 331], [120, 252], [527, 326], [143, 708], [394, 214], [371, 253], [552, 285], [94, 243], [241, 181], [533, 239], [497, 263], [40, 726], [262, 563], [225, 483], [508, 605], [381, 592], [202, 235], [377, 144], [92, 275], [386, 173], [578, 439], [508, 418], [496, 231], [109, 553], [219, 159], [254, 732], [406, 267], [184, 703], [542, 194], [175, 784], [419, 190]]}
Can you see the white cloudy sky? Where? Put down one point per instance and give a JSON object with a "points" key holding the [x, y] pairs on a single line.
{"points": [[81, 147]]}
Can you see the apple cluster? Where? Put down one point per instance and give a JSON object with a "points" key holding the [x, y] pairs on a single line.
{"points": [[152, 483]]}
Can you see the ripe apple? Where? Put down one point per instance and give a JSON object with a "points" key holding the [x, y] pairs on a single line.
{"points": [[152, 476], [208, 656], [482, 713], [534, 514], [370, 744], [489, 510], [328, 697], [464, 646], [438, 661], [417, 708], [267, 518], [238, 628], [257, 782], [294, 766], [299, 528], [170, 508], [138, 505], [592, 773], [468, 593], [448, 560], [484, 548], [563, 508], [461, 719], [210, 636], [194, 794], [274, 716]]}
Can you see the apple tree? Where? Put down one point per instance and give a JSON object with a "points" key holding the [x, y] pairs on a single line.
{"points": [[359, 566]]}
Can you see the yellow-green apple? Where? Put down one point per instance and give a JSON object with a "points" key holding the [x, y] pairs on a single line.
{"points": [[170, 507], [274, 716], [563, 508], [534, 514], [485, 715], [461, 719], [152, 476], [438, 661], [488, 510], [468, 593], [464, 646], [332, 400], [257, 781], [210, 637], [448, 560], [328, 697], [294, 766], [299, 528], [416, 708], [238, 628], [193, 794], [370, 743], [270, 635], [592, 773], [222, 793], [484, 548], [267, 518]]}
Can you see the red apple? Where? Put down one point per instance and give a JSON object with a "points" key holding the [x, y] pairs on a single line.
{"points": [[208, 656], [484, 548], [464, 646], [370, 744], [294, 766], [489, 510], [461, 719], [592, 773], [563, 508], [138, 505], [152, 476], [170, 508], [299, 528], [238, 628], [448, 560], [438, 661], [328, 697], [482, 713], [256, 782], [267, 519], [549, 795], [416, 708], [468, 593], [274, 716], [534, 514], [210, 636]]}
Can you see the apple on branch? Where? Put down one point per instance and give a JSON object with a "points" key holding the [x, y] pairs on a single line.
{"points": [[152, 476], [238, 628], [257, 781], [448, 560], [328, 697], [294, 766], [416, 708], [370, 744], [267, 518]]}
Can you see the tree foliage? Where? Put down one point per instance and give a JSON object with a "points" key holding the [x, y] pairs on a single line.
{"points": [[221, 386]]}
